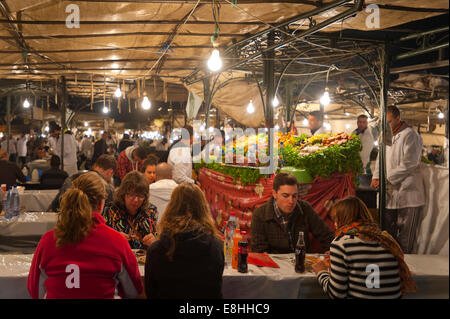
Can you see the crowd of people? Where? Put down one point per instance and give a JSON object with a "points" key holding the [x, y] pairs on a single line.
{"points": [[136, 201]]}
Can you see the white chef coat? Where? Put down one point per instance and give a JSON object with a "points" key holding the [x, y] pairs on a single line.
{"points": [[70, 153], [367, 142], [22, 146], [405, 186], [180, 159]]}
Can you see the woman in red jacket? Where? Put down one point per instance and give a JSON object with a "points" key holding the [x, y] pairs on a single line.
{"points": [[82, 257]]}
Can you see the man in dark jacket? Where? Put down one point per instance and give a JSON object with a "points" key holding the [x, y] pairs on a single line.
{"points": [[9, 171], [276, 224], [100, 147], [54, 177], [104, 167]]}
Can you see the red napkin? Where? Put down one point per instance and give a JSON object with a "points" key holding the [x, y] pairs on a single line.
{"points": [[263, 260]]}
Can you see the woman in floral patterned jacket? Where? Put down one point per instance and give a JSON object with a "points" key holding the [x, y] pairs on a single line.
{"points": [[131, 214]]}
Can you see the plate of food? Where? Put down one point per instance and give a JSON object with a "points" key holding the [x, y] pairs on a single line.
{"points": [[142, 259], [311, 260]]}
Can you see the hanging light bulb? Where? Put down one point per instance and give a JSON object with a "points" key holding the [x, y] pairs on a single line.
{"points": [[275, 102], [47, 128], [105, 109], [215, 62], [327, 126], [347, 126], [277, 127], [441, 115], [26, 104], [86, 124], [250, 108], [325, 99], [118, 93], [146, 104], [347, 114]]}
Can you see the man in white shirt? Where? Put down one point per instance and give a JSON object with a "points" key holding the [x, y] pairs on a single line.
{"points": [[365, 134], [180, 158], [161, 190], [70, 150], [315, 122], [22, 149], [405, 194]]}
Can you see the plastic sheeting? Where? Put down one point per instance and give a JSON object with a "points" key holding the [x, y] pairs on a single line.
{"points": [[433, 231], [259, 282]]}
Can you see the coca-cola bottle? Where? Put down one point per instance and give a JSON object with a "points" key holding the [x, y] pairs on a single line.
{"points": [[242, 256], [300, 254]]}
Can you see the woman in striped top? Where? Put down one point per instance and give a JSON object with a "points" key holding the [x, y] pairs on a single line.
{"points": [[365, 262]]}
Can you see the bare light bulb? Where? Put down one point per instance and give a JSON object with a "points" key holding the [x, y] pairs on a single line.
{"points": [[86, 124], [146, 105], [305, 121], [118, 93], [441, 115], [275, 102], [250, 108], [26, 104], [325, 99], [215, 62], [105, 109]]}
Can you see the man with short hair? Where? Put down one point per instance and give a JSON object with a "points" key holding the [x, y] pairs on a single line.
{"points": [[161, 190], [104, 167], [9, 171], [22, 149], [276, 224], [54, 177], [315, 122], [100, 147], [180, 158], [131, 159], [405, 194], [365, 134]]}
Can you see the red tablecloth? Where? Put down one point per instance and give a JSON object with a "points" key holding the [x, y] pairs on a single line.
{"points": [[224, 196]]}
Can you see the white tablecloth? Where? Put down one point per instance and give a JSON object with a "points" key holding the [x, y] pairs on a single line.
{"points": [[430, 272], [23, 233], [433, 230], [37, 200]]}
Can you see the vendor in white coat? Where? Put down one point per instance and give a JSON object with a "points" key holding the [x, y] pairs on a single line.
{"points": [[161, 190], [315, 122], [70, 149], [405, 194], [365, 134]]}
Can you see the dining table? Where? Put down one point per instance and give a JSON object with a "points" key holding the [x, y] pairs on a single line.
{"points": [[430, 272], [37, 200], [22, 233]]}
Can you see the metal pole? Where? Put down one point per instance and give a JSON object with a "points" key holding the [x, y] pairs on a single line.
{"points": [[383, 109], [8, 121], [207, 97], [63, 119], [269, 79]]}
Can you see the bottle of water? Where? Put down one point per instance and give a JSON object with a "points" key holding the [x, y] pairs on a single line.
{"points": [[7, 206], [232, 225], [15, 205]]}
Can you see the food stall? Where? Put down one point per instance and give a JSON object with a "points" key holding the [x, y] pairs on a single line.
{"points": [[326, 166]]}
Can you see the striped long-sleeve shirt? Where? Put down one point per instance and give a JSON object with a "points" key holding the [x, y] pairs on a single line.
{"points": [[360, 269]]}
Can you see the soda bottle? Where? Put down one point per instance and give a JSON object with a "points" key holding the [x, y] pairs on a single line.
{"points": [[242, 256], [236, 239], [229, 232], [300, 254]]}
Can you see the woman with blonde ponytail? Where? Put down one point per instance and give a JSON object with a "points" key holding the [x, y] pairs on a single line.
{"points": [[82, 257]]}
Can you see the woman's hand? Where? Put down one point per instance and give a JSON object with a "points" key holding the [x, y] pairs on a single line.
{"points": [[320, 266], [148, 240]]}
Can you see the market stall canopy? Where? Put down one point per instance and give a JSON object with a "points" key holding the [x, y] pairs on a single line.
{"points": [[118, 43]]}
